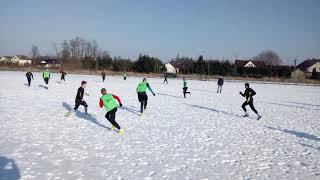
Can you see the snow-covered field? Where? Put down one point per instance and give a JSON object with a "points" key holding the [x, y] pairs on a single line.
{"points": [[201, 137]]}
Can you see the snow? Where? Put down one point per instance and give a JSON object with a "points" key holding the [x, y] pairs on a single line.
{"points": [[201, 137]]}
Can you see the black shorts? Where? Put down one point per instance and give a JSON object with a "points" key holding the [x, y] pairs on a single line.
{"points": [[142, 96], [46, 80]]}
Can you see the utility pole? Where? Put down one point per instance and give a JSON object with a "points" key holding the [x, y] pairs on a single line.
{"points": [[295, 62]]}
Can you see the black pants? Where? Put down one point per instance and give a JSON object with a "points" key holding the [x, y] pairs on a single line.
{"points": [[103, 78], [219, 89], [29, 81], [185, 91], [111, 116], [124, 78], [46, 80], [165, 80], [63, 78], [78, 103], [143, 99], [250, 103]]}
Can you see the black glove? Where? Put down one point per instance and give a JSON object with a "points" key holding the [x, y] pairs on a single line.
{"points": [[154, 94], [120, 104]]}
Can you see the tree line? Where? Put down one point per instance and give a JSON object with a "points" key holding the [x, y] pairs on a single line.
{"points": [[86, 54]]}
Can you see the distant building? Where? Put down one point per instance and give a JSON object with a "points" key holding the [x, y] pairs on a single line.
{"points": [[49, 62], [249, 64], [21, 60], [5, 59], [171, 68], [308, 66]]}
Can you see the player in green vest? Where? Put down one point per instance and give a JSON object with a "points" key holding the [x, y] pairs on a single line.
{"points": [[108, 101], [125, 76], [46, 76], [185, 88], [142, 94]]}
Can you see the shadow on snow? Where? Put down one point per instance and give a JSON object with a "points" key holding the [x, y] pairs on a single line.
{"points": [[307, 145], [131, 110], [203, 90], [296, 133], [82, 115], [162, 94], [9, 169], [42, 86], [218, 111], [306, 104], [287, 105]]}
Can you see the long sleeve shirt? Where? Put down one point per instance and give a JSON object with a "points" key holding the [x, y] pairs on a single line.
{"points": [[248, 93], [29, 75], [80, 93]]}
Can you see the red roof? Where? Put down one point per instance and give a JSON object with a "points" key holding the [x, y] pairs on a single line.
{"points": [[242, 63], [306, 64]]}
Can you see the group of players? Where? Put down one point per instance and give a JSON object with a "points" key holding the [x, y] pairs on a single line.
{"points": [[111, 101]]}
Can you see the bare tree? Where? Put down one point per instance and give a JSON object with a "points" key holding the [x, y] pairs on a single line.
{"points": [[94, 52], [56, 49], [65, 52], [270, 57], [82, 48], [35, 52]]}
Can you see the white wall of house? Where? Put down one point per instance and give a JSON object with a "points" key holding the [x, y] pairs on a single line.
{"points": [[249, 64], [171, 69], [4, 59], [16, 59], [315, 66]]}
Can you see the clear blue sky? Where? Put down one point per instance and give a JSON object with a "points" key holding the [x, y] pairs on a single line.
{"points": [[165, 28]]}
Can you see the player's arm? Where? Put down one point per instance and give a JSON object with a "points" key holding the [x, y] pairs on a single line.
{"points": [[150, 89], [253, 92], [118, 99], [101, 103]]}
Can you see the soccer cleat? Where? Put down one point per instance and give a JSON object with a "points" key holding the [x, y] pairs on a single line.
{"points": [[121, 131], [88, 115], [259, 117], [246, 115], [113, 128], [141, 114], [68, 114]]}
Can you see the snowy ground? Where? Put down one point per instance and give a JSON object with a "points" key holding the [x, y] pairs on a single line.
{"points": [[201, 137]]}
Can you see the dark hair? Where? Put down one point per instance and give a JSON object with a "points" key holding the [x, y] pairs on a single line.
{"points": [[103, 90], [83, 82], [246, 84]]}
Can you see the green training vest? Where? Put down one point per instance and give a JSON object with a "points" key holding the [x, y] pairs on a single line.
{"points": [[184, 83], [46, 74], [109, 102], [142, 87]]}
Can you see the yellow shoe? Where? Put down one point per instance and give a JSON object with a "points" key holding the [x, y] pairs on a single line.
{"points": [[141, 114], [113, 128], [121, 131]]}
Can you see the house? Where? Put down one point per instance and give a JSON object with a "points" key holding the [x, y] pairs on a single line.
{"points": [[309, 65], [5, 59], [49, 62], [21, 60], [249, 64], [171, 69]]}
